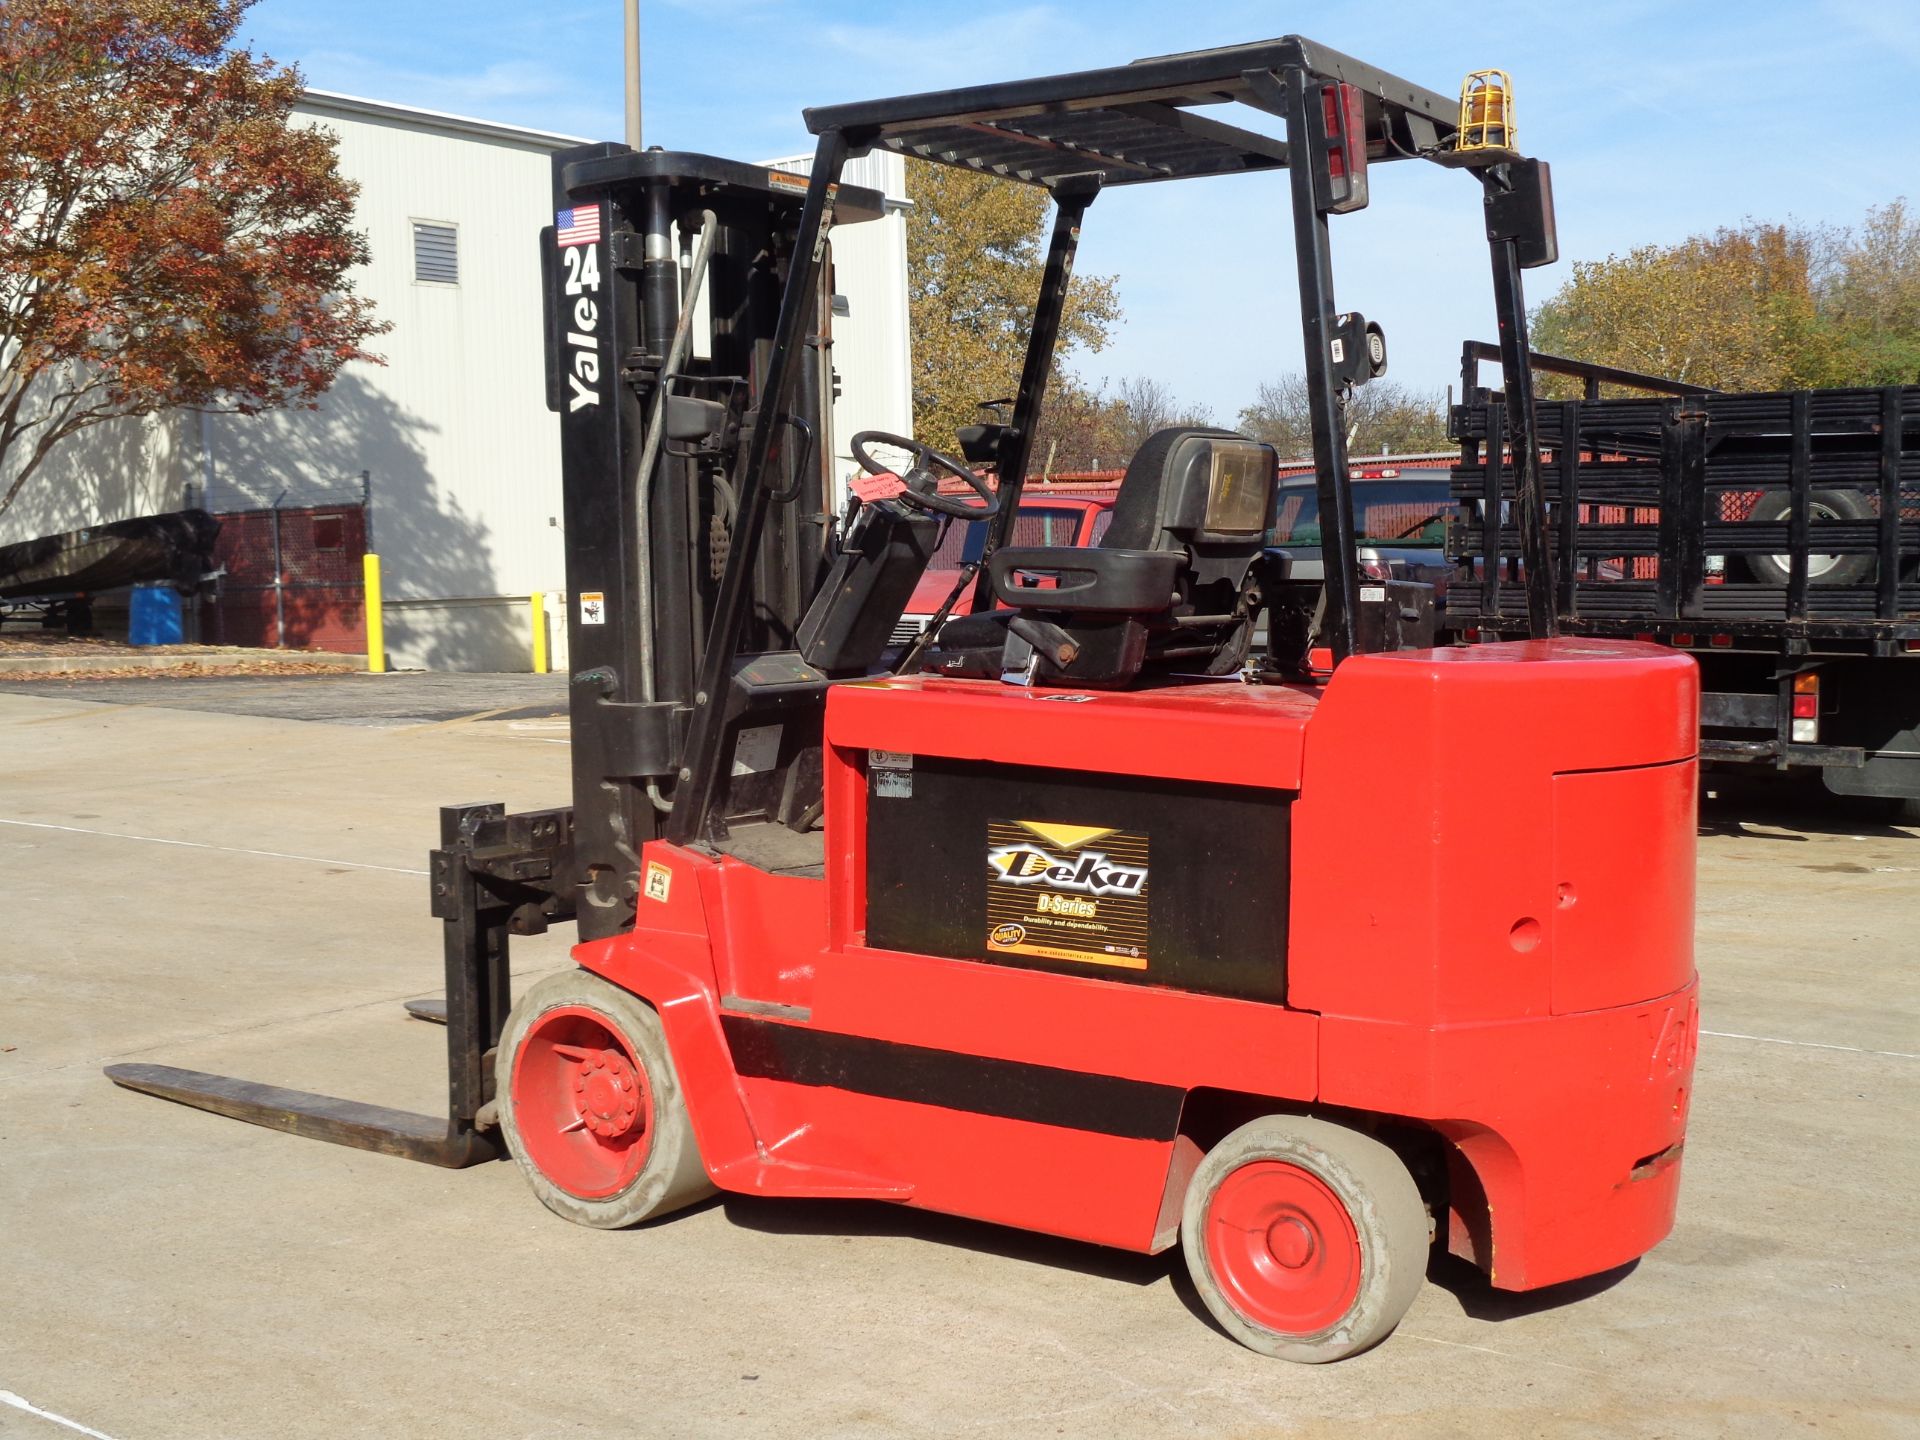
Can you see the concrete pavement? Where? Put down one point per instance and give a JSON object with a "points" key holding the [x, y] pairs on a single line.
{"points": [[243, 894]]}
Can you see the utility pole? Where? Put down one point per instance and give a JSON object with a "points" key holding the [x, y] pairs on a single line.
{"points": [[633, 73]]}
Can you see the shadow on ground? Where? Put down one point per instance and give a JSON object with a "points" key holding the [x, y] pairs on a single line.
{"points": [[866, 1218], [851, 1219], [1759, 808]]}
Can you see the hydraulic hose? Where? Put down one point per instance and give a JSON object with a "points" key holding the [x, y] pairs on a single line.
{"points": [[649, 458]]}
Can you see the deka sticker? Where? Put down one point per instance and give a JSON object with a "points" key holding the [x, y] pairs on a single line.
{"points": [[1067, 892]]}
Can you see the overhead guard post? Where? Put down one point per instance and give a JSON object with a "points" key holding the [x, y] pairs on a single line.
{"points": [[699, 776], [1516, 364], [1071, 197], [1314, 260]]}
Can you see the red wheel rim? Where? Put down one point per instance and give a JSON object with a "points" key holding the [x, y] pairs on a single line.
{"points": [[581, 1103], [1283, 1248]]}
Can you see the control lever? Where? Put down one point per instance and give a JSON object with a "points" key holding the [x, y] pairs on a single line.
{"points": [[1030, 641]]}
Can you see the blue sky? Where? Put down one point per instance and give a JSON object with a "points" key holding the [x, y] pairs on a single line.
{"points": [[1660, 120]]}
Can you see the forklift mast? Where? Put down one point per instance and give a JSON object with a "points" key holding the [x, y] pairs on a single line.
{"points": [[663, 277]]}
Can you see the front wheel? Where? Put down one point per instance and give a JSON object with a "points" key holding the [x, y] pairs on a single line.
{"points": [[591, 1107], [1306, 1240]]}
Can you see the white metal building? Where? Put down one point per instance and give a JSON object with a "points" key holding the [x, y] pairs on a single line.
{"points": [[459, 453]]}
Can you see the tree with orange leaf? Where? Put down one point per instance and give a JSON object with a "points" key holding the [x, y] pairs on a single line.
{"points": [[169, 237]]}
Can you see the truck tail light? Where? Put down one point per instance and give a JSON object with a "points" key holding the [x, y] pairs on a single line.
{"points": [[1375, 568], [1804, 727], [1342, 179]]}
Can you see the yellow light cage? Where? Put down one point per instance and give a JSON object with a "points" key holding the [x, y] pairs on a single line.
{"points": [[1486, 112]]}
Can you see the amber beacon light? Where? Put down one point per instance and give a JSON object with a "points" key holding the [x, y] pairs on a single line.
{"points": [[1486, 112]]}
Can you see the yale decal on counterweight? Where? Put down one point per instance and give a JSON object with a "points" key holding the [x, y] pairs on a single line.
{"points": [[1067, 892]]}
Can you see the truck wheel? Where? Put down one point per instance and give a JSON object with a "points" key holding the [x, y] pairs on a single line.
{"points": [[1777, 505], [591, 1107], [1307, 1240]]}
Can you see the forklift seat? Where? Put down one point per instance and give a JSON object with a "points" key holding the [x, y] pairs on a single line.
{"points": [[1165, 587]]}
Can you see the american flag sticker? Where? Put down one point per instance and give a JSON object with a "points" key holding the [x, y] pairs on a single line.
{"points": [[578, 226]]}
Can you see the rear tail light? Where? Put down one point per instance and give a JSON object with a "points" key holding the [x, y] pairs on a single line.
{"points": [[1375, 568], [1804, 727], [1683, 639], [1721, 642], [1342, 181]]}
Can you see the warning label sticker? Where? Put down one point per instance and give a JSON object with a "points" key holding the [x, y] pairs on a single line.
{"points": [[1067, 892]]}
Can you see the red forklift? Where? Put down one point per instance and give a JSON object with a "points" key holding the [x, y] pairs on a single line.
{"points": [[1078, 914]]}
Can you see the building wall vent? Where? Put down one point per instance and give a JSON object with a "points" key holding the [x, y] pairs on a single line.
{"points": [[436, 253]]}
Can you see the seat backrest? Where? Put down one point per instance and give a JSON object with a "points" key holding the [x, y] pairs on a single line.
{"points": [[1166, 585], [1195, 488]]}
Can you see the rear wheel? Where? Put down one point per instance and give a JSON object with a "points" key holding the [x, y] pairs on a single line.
{"points": [[591, 1107], [1306, 1240]]}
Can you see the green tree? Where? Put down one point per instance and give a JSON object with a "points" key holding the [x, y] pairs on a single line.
{"points": [[1759, 307], [976, 247], [1381, 417], [168, 236], [1734, 310], [1869, 290]]}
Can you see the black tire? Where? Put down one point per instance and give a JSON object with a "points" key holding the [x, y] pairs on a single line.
{"points": [[1378, 1259], [671, 1174], [1776, 505]]}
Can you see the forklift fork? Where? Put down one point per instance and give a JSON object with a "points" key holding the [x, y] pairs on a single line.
{"points": [[494, 875]]}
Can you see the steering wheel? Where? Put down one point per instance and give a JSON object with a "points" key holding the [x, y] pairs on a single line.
{"points": [[922, 480]]}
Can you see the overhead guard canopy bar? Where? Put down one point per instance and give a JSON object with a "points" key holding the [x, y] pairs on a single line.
{"points": [[1132, 124]]}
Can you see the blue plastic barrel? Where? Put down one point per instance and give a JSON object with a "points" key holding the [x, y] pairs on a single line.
{"points": [[156, 616]]}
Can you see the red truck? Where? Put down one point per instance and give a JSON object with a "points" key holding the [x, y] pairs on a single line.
{"points": [[1074, 508]]}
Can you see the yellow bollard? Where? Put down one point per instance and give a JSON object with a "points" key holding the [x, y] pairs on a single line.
{"points": [[539, 608], [376, 632]]}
